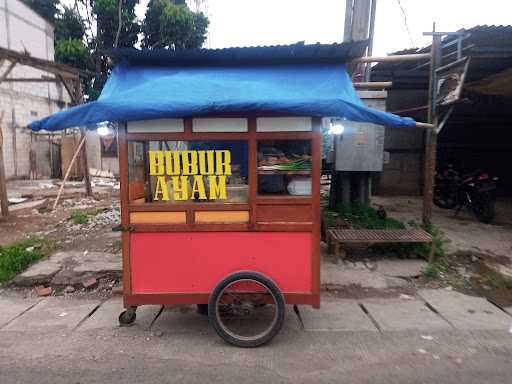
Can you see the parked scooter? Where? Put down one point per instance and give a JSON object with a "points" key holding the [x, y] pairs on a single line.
{"points": [[475, 190]]}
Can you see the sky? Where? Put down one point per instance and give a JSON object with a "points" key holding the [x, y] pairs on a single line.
{"points": [[267, 22]]}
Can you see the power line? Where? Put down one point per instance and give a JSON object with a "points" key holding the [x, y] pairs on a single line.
{"points": [[405, 22]]}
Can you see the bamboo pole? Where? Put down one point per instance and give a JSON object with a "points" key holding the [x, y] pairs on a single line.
{"points": [[393, 58], [374, 84], [424, 125], [68, 171]]}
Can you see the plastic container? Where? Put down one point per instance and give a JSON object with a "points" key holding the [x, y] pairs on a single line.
{"points": [[299, 186]]}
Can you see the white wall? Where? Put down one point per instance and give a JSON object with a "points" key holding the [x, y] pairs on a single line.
{"points": [[23, 30]]}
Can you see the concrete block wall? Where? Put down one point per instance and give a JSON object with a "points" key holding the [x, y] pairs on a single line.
{"points": [[404, 150], [23, 30], [41, 146], [19, 110]]}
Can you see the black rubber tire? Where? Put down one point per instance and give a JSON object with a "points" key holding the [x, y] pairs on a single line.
{"points": [[485, 210], [127, 317], [444, 204], [280, 308]]}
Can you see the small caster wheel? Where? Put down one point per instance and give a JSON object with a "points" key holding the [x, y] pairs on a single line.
{"points": [[127, 317], [202, 309]]}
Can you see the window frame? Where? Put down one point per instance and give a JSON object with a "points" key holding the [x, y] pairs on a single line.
{"points": [[252, 136]]}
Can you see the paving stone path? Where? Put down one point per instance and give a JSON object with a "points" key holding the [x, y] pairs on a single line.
{"points": [[430, 310]]}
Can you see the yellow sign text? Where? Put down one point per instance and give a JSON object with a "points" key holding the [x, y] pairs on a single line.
{"points": [[190, 175]]}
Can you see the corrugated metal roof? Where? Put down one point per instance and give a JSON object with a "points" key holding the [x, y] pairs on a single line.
{"points": [[489, 46], [299, 53]]}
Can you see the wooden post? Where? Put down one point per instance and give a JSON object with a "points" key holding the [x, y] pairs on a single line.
{"points": [[4, 203], [87, 177], [431, 134]]}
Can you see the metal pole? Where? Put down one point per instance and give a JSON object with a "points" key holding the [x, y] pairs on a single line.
{"points": [[431, 134], [4, 203]]}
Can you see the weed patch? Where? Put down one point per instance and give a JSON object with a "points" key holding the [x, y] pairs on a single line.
{"points": [[365, 217], [436, 269], [15, 258], [82, 217]]}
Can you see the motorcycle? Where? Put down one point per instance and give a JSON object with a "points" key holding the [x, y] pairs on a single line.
{"points": [[475, 191]]}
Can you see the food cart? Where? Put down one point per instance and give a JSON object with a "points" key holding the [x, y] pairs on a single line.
{"points": [[220, 164]]}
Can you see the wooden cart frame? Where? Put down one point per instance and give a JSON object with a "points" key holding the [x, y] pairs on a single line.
{"points": [[284, 214]]}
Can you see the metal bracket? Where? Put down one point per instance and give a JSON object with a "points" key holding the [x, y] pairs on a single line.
{"points": [[445, 119], [123, 228]]}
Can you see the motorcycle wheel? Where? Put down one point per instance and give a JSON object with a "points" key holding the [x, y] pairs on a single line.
{"points": [[445, 204], [483, 209]]}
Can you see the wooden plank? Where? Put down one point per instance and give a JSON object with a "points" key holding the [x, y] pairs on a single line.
{"points": [[214, 227], [204, 217], [284, 227], [177, 136], [8, 70], [305, 298], [158, 217], [380, 235], [316, 169], [283, 213], [393, 58], [87, 177], [136, 190], [125, 214], [253, 173], [284, 200], [157, 207]]}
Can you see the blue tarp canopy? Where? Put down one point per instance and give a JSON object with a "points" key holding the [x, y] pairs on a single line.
{"points": [[144, 91]]}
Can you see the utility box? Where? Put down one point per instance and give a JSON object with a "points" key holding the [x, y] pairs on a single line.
{"points": [[360, 148]]}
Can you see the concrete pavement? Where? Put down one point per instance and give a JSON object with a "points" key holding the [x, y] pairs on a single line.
{"points": [[438, 336], [429, 310]]}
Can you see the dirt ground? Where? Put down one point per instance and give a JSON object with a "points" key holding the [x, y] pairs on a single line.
{"points": [[41, 220]]}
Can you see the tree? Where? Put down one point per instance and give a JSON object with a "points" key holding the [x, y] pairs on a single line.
{"points": [[106, 14], [73, 52], [47, 9], [172, 24], [69, 25], [151, 24]]}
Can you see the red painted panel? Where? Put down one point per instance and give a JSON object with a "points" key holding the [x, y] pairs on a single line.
{"points": [[196, 261]]}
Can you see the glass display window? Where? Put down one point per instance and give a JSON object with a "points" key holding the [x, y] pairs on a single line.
{"points": [[284, 167], [188, 171]]}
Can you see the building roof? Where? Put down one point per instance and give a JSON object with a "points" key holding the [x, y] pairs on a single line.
{"points": [[298, 53], [489, 46]]}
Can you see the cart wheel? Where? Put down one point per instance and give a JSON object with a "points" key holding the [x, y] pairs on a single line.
{"points": [[128, 317], [246, 309]]}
